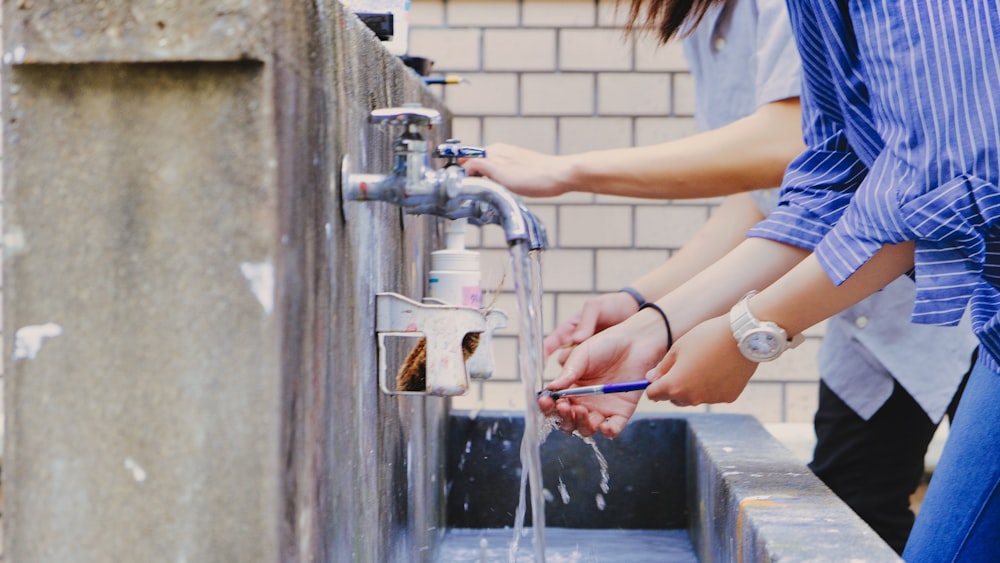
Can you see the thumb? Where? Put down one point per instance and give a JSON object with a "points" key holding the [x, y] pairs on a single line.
{"points": [[587, 325], [661, 368]]}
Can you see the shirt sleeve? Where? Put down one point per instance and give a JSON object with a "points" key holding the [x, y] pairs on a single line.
{"points": [[820, 183], [898, 153]]}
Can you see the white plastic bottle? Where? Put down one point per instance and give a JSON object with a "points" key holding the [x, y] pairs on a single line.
{"points": [[455, 275]]}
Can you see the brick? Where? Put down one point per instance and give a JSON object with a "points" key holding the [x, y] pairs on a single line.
{"points": [[495, 266], [471, 401], [617, 268], [535, 133], [548, 312], [581, 134], [473, 237], [519, 49], [426, 13], [801, 401], [507, 302], [450, 49], [482, 13], [469, 130], [649, 56], [593, 226], [570, 197], [494, 237], [569, 304], [502, 395], [609, 199], [667, 226], [568, 270], [558, 13], [761, 400], [505, 389], [653, 130], [505, 361], [557, 94], [710, 203], [610, 16], [683, 94], [484, 94], [594, 49], [620, 93]]}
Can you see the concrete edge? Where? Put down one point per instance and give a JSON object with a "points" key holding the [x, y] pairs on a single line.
{"points": [[762, 504]]}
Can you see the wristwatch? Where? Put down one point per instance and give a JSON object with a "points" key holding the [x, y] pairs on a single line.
{"points": [[758, 341]]}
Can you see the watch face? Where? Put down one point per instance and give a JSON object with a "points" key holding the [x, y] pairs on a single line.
{"points": [[761, 345]]}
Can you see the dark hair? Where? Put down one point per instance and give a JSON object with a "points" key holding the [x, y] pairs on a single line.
{"points": [[667, 18]]}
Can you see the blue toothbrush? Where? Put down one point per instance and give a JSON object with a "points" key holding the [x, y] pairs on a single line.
{"points": [[597, 389]]}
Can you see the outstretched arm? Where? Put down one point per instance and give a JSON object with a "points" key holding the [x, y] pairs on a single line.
{"points": [[706, 367], [748, 154]]}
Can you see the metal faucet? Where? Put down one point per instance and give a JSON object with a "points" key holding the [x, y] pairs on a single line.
{"points": [[446, 192], [451, 193]]}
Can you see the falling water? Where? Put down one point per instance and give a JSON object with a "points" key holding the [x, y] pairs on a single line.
{"points": [[528, 286]]}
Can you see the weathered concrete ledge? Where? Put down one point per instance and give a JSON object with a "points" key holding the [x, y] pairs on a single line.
{"points": [[751, 500]]}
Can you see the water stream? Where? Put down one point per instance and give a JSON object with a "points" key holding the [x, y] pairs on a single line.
{"points": [[528, 287]]}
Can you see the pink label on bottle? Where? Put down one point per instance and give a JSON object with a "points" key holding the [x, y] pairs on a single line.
{"points": [[472, 296]]}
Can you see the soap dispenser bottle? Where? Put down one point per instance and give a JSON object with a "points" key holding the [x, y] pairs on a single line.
{"points": [[454, 280], [455, 275]]}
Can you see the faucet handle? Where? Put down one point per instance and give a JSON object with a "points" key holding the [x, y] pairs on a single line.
{"points": [[452, 150], [406, 115]]}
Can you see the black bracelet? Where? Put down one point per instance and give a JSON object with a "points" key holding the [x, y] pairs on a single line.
{"points": [[670, 334], [635, 295]]}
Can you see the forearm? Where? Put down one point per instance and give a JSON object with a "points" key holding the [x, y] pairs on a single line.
{"points": [[723, 232], [755, 264], [750, 153], [806, 296]]}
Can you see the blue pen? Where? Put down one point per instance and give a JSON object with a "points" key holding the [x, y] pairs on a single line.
{"points": [[597, 389]]}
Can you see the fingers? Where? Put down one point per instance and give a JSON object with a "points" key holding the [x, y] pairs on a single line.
{"points": [[561, 336], [665, 388], [612, 426], [661, 368], [586, 325], [568, 376]]}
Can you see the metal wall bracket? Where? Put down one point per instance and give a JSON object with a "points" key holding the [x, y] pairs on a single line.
{"points": [[442, 326]]}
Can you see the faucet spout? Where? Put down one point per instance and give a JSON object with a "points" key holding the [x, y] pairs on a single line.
{"points": [[491, 203]]}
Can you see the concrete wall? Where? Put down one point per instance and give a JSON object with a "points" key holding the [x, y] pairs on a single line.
{"points": [[193, 373]]}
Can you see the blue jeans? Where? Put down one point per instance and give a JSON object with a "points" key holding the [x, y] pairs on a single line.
{"points": [[959, 519]]}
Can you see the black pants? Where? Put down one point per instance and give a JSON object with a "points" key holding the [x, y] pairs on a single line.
{"points": [[875, 465]]}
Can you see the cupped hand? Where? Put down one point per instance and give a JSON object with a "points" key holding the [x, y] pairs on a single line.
{"points": [[624, 352], [598, 313], [525, 172], [704, 366]]}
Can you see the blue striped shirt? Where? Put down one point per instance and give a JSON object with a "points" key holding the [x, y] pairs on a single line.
{"points": [[901, 107]]}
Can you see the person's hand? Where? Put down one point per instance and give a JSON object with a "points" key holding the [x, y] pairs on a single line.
{"points": [[624, 352], [704, 366], [525, 172], [598, 313]]}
